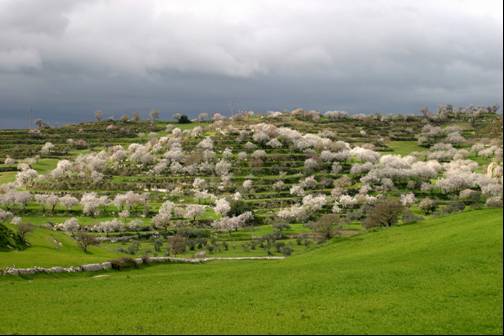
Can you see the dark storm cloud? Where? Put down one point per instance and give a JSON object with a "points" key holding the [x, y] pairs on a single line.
{"points": [[65, 59]]}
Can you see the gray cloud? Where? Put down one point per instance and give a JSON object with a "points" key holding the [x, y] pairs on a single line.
{"points": [[66, 59]]}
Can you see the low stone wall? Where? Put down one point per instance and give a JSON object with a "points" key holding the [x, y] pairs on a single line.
{"points": [[105, 266]]}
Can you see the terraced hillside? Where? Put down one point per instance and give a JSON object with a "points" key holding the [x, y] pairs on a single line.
{"points": [[276, 184]]}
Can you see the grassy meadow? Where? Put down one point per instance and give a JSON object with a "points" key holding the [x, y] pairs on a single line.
{"points": [[443, 275]]}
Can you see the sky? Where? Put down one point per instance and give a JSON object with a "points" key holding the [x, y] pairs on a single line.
{"points": [[61, 60]]}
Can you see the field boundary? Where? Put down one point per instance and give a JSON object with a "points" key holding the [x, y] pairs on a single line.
{"points": [[108, 265]]}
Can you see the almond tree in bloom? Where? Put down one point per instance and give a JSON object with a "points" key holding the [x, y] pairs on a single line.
{"points": [[222, 206], [68, 201], [91, 203], [162, 219]]}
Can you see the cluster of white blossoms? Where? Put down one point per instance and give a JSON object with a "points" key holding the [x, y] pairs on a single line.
{"points": [[91, 203], [233, 223], [222, 206], [116, 225], [129, 200], [69, 225], [162, 219], [213, 174], [309, 205]]}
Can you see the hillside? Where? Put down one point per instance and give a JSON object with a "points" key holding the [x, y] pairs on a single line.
{"points": [[442, 275]]}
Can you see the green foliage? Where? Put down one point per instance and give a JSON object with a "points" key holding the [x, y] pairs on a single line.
{"points": [[183, 119], [239, 207], [10, 240]]}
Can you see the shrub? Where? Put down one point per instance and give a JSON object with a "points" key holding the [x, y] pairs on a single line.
{"points": [[410, 217], [454, 207], [183, 119], [427, 205], [177, 243], [158, 243], [194, 233], [469, 196], [281, 226], [10, 240], [494, 202], [286, 251], [22, 230], [84, 240], [279, 246], [238, 207], [385, 213], [327, 226], [133, 248], [355, 215]]}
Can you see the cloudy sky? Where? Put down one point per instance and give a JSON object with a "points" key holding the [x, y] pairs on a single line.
{"points": [[65, 59]]}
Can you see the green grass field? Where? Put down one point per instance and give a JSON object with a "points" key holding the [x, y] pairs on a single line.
{"points": [[442, 275], [405, 147]]}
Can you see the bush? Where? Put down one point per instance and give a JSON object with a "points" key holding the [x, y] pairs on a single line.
{"points": [[9, 240], [85, 240], [327, 226], [354, 215], [158, 243], [281, 226], [454, 207], [279, 246], [239, 207], [494, 202], [286, 251], [194, 233], [409, 217], [469, 196], [123, 263], [427, 205], [22, 230], [385, 213], [177, 243], [133, 248], [183, 119]]}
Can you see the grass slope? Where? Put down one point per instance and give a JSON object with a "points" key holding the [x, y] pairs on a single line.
{"points": [[443, 275], [54, 248]]}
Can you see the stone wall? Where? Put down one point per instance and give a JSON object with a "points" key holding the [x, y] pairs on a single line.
{"points": [[105, 266]]}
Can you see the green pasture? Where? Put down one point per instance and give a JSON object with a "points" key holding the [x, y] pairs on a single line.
{"points": [[442, 275]]}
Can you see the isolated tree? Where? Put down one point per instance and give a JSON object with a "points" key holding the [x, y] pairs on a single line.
{"points": [[47, 148], [177, 244], [385, 213], [154, 115], [427, 205], [162, 219], [84, 240], [23, 229], [222, 206], [194, 210], [41, 123], [327, 226], [425, 112], [68, 201], [183, 119], [70, 225]]}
